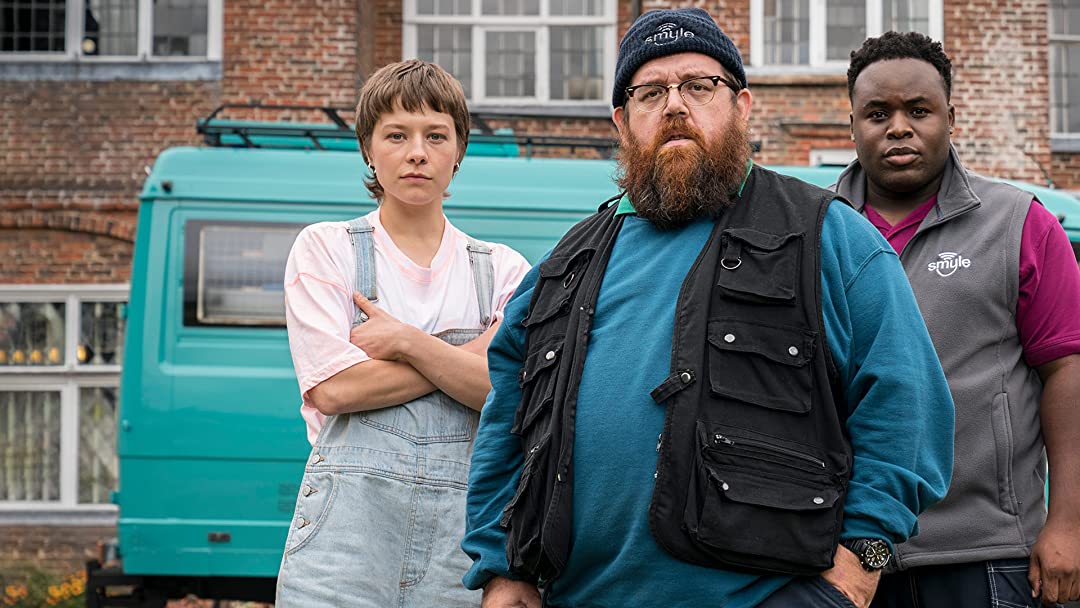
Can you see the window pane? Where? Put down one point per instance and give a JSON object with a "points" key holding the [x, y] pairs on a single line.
{"points": [[450, 46], [29, 445], [787, 32], [444, 7], [234, 272], [1065, 17], [101, 333], [31, 333], [845, 25], [591, 8], [576, 55], [111, 27], [510, 7], [97, 444], [511, 64], [1065, 87], [32, 26], [906, 16], [180, 27]]}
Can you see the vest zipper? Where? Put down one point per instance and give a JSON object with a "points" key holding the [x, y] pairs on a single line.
{"points": [[726, 440]]}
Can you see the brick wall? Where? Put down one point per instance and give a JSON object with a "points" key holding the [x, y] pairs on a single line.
{"points": [[56, 549], [74, 153]]}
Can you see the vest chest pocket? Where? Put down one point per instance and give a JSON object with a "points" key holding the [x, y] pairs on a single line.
{"points": [[537, 380], [759, 267], [559, 280], [763, 365]]}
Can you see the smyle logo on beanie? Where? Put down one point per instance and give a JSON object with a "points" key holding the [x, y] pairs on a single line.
{"points": [[667, 33], [948, 264]]}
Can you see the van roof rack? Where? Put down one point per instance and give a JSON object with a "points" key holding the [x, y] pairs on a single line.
{"points": [[338, 134]]}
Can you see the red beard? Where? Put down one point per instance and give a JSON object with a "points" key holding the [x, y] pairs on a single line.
{"points": [[673, 186]]}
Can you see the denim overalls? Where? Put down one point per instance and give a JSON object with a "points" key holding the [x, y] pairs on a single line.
{"points": [[381, 509]]}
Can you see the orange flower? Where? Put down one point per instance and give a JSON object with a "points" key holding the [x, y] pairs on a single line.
{"points": [[11, 591], [54, 591]]}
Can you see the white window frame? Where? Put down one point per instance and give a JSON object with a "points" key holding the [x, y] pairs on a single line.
{"points": [[540, 24], [65, 379], [818, 31], [1071, 136], [75, 14]]}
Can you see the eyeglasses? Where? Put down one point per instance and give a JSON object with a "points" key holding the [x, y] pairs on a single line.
{"points": [[695, 92]]}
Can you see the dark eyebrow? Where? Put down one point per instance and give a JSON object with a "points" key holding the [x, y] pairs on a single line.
{"points": [[881, 103]]}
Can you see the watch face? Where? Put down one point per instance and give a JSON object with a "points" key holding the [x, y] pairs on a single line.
{"points": [[876, 554]]}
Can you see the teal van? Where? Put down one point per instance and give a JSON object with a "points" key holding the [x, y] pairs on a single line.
{"points": [[211, 443]]}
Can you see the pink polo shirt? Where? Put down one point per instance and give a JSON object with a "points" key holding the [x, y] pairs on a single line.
{"points": [[1048, 307]]}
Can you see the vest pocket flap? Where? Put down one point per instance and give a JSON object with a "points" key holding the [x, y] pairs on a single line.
{"points": [[738, 486], [787, 345], [758, 267], [559, 279], [537, 381], [757, 239], [544, 357]]}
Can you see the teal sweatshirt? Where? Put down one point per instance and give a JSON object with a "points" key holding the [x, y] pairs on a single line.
{"points": [[901, 422]]}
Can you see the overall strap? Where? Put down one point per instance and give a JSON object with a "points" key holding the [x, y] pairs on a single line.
{"points": [[483, 271], [363, 241]]}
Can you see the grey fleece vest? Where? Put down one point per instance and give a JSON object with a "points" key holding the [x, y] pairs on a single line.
{"points": [[963, 265]]}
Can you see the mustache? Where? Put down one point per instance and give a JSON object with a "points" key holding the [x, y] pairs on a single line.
{"points": [[675, 127]]}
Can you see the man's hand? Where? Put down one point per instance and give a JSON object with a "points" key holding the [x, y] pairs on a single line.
{"points": [[1054, 573], [848, 575], [381, 336], [502, 592]]}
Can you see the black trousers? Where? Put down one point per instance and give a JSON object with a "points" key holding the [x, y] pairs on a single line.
{"points": [[998, 583]]}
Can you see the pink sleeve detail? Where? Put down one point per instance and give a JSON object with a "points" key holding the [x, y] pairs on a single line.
{"points": [[1047, 309]]}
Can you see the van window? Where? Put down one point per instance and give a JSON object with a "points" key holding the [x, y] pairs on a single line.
{"points": [[234, 272]]}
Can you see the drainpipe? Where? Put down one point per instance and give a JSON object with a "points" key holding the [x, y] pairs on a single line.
{"points": [[635, 10]]}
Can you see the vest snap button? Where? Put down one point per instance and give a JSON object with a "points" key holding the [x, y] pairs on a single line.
{"points": [[729, 338], [794, 352], [724, 486], [686, 377], [550, 355], [819, 500]]}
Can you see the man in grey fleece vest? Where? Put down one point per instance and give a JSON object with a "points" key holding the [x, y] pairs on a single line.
{"points": [[998, 287]]}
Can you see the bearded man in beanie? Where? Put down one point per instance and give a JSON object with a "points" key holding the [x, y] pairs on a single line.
{"points": [[716, 391]]}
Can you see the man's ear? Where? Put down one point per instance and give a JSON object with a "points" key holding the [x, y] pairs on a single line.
{"points": [[744, 100], [617, 116], [851, 124]]}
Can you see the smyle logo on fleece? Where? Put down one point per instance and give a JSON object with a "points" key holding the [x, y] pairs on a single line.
{"points": [[948, 264], [666, 34]]}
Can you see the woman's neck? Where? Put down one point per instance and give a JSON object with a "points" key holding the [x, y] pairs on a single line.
{"points": [[417, 230]]}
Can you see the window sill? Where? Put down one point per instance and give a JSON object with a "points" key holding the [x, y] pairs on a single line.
{"points": [[785, 75], [1065, 143], [39, 514], [88, 70], [599, 109]]}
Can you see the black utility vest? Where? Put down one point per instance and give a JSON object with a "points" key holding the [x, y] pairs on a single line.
{"points": [[753, 460]]}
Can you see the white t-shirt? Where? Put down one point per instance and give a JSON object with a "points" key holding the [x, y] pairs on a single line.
{"points": [[320, 278]]}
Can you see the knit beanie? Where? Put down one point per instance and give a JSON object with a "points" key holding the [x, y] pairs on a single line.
{"points": [[667, 32]]}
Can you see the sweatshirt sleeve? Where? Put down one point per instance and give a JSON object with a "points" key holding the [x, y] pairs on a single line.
{"points": [[900, 411], [497, 458]]}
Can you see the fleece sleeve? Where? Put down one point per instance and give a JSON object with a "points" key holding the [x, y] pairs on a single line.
{"points": [[900, 411], [496, 459]]}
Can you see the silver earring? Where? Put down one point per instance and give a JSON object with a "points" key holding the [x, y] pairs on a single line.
{"points": [[456, 167], [371, 168]]}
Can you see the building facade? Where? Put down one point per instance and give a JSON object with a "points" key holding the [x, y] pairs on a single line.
{"points": [[92, 90]]}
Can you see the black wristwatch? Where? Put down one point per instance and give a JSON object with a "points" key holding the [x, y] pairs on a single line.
{"points": [[873, 554]]}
